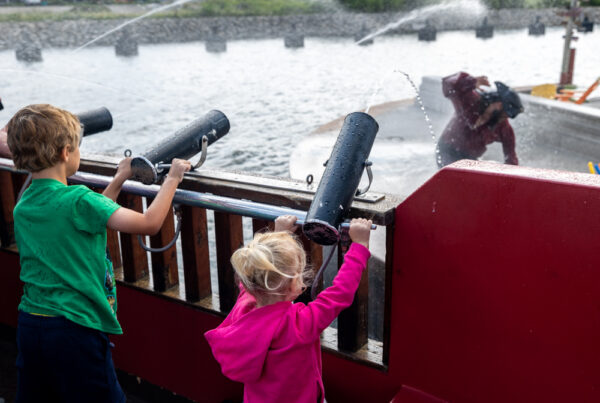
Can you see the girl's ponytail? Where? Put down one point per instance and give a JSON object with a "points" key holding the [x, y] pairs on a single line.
{"points": [[269, 263]]}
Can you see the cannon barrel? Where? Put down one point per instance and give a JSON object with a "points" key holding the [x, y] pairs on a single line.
{"points": [[341, 178], [185, 143], [95, 121]]}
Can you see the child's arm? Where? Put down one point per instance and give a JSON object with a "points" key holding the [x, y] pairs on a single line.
{"points": [[4, 150], [123, 173], [150, 222], [317, 315]]}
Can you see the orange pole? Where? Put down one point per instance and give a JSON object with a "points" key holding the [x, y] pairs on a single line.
{"points": [[588, 92]]}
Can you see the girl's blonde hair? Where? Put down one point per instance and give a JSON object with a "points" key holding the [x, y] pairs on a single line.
{"points": [[37, 134], [269, 263]]}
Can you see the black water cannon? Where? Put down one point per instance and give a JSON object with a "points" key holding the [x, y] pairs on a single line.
{"points": [[185, 143], [511, 102], [95, 121], [339, 183]]}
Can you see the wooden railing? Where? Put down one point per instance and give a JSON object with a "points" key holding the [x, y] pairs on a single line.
{"points": [[161, 275]]}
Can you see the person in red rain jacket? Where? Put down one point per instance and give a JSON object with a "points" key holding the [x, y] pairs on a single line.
{"points": [[476, 123]]}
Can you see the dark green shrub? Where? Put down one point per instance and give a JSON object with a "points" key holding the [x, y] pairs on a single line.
{"points": [[554, 3], [375, 6], [498, 4]]}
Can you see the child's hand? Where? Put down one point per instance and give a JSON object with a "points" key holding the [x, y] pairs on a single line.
{"points": [[178, 168], [360, 231], [124, 168], [286, 223]]}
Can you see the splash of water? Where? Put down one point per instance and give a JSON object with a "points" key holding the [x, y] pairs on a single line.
{"points": [[378, 88], [154, 11], [420, 101], [458, 9]]}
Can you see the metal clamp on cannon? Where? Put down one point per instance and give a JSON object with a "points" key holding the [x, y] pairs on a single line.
{"points": [[184, 144]]}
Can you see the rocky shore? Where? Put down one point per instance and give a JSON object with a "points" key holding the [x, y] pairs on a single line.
{"points": [[73, 33]]}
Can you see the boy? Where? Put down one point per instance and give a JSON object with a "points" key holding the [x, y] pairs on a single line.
{"points": [[69, 295]]}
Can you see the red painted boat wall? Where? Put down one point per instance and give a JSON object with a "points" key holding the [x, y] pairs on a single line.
{"points": [[11, 288], [496, 286], [163, 342]]}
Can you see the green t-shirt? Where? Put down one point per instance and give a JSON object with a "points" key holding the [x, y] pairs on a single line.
{"points": [[61, 235]]}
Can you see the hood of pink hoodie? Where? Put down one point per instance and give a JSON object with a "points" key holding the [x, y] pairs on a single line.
{"points": [[240, 344]]}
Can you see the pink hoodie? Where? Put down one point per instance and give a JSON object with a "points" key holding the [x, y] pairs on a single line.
{"points": [[275, 350]]}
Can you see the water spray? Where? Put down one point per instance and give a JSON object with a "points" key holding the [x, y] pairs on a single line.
{"points": [[156, 10], [462, 9]]}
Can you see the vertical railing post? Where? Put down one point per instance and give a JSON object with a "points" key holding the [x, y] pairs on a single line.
{"points": [[229, 237], [314, 259], [353, 329], [261, 225], [164, 264], [7, 204], [112, 242], [195, 253], [135, 261]]}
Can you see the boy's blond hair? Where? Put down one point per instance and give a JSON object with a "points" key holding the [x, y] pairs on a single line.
{"points": [[38, 133], [269, 263]]}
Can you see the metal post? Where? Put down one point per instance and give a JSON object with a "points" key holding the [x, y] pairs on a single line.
{"points": [[566, 75]]}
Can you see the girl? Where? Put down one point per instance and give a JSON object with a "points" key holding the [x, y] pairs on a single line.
{"points": [[269, 343]]}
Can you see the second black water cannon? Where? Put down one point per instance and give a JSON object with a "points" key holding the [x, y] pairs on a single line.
{"points": [[95, 121], [185, 143], [339, 183]]}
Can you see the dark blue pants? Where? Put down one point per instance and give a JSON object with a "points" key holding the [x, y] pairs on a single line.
{"points": [[61, 361]]}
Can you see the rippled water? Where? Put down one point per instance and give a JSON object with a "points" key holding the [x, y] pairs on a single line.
{"points": [[273, 96]]}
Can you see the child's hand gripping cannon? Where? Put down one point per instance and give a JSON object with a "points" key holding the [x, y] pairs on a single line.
{"points": [[184, 144], [339, 184]]}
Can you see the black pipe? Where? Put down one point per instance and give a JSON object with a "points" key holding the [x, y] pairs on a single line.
{"points": [[341, 178], [184, 144], [95, 121]]}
